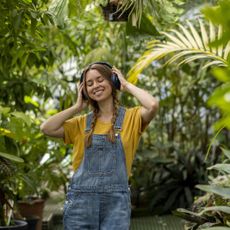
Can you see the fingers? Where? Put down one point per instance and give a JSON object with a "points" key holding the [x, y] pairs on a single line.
{"points": [[80, 87], [118, 72]]}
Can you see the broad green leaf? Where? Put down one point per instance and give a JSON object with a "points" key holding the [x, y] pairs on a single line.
{"points": [[146, 27], [222, 122], [224, 192], [28, 100], [12, 157], [4, 110], [216, 228], [27, 1], [6, 132], [22, 116], [224, 209], [221, 167], [226, 152]]}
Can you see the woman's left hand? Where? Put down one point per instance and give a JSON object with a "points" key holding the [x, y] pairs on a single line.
{"points": [[123, 81]]}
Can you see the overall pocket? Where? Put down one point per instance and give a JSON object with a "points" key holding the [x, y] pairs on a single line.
{"points": [[101, 160]]}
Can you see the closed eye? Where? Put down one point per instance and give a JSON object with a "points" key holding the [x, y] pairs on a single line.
{"points": [[89, 83], [100, 79]]}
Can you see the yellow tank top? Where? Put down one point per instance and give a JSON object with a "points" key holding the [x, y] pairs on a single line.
{"points": [[74, 130]]}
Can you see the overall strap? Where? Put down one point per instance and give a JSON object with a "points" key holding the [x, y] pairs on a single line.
{"points": [[120, 118], [118, 122], [88, 121]]}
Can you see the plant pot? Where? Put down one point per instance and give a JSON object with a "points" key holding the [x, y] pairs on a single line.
{"points": [[32, 208], [110, 12], [32, 222], [20, 225]]}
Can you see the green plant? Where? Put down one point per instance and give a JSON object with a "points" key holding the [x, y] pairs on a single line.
{"points": [[212, 209], [139, 8], [8, 187], [21, 136], [164, 184], [186, 45]]}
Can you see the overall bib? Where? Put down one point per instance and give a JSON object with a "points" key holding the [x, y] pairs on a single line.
{"points": [[98, 197]]}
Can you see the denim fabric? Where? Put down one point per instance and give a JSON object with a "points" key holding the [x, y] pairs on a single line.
{"points": [[97, 211], [98, 196]]}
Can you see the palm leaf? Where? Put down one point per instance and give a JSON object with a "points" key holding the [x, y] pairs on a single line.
{"points": [[186, 44], [219, 63], [204, 36], [59, 11], [212, 35], [196, 36], [189, 36], [226, 51], [220, 48]]}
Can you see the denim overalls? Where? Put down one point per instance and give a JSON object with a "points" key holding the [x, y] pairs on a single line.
{"points": [[98, 197]]}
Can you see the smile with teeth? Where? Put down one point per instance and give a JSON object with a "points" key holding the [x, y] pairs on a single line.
{"points": [[98, 92]]}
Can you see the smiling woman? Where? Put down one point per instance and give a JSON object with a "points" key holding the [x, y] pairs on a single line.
{"points": [[97, 86], [105, 141]]}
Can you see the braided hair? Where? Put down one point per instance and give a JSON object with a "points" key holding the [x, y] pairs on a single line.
{"points": [[106, 72]]}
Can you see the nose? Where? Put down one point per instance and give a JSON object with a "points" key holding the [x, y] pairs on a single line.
{"points": [[96, 84]]}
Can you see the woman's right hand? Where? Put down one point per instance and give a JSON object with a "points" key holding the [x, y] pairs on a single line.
{"points": [[81, 103]]}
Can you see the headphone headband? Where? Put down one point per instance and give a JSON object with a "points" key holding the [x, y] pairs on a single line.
{"points": [[102, 63], [98, 62]]}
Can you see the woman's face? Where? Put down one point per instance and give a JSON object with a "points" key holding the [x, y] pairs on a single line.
{"points": [[98, 87]]}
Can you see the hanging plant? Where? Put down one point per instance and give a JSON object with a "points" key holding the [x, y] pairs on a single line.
{"points": [[112, 11]]}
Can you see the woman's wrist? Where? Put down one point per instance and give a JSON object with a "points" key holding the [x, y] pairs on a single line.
{"points": [[127, 86], [76, 109]]}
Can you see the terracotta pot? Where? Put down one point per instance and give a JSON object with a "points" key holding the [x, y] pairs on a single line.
{"points": [[28, 209], [20, 225]]}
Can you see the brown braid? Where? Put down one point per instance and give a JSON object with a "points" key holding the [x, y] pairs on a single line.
{"points": [[88, 138], [111, 132]]}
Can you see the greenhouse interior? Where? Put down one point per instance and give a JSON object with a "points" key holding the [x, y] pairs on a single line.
{"points": [[115, 114]]}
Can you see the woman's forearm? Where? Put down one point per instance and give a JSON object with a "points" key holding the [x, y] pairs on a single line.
{"points": [[147, 100], [56, 121]]}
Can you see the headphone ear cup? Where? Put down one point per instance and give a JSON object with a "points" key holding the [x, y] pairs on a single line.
{"points": [[84, 96], [116, 81]]}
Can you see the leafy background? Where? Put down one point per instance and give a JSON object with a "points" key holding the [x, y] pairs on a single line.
{"points": [[45, 44]]}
